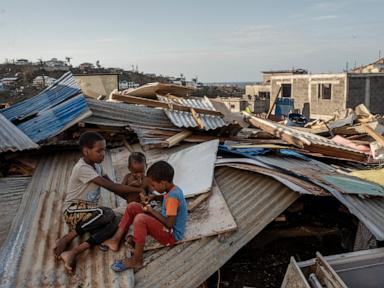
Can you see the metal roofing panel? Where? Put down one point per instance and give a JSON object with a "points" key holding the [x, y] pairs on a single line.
{"points": [[121, 114], [254, 201], [49, 123], [27, 256], [11, 191], [369, 211], [185, 119], [12, 138], [354, 185], [64, 88]]}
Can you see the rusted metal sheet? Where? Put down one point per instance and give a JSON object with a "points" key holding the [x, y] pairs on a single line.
{"points": [[27, 256], [12, 138], [254, 200], [304, 140], [11, 192]]}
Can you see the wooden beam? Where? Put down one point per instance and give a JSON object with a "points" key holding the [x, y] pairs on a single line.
{"points": [[177, 138], [159, 104], [371, 132], [274, 102]]}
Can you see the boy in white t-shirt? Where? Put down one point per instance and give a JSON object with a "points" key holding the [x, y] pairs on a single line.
{"points": [[81, 210]]}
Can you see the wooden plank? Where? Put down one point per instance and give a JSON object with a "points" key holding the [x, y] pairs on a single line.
{"points": [[371, 132], [159, 104], [197, 201], [212, 217], [177, 138], [294, 277], [274, 102], [329, 275]]}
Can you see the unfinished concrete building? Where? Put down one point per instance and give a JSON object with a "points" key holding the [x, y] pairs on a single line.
{"points": [[321, 95], [258, 95]]}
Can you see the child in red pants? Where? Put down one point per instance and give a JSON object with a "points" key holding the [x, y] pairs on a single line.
{"points": [[167, 226]]}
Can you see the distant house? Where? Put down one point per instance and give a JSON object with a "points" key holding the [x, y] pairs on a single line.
{"points": [[56, 65], [22, 62], [124, 84], [375, 67], [86, 66], [38, 82], [9, 82], [234, 104]]}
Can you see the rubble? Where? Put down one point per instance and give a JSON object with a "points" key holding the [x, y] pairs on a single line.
{"points": [[239, 173]]}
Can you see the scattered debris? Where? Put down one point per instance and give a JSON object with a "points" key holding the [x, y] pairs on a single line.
{"points": [[238, 173]]}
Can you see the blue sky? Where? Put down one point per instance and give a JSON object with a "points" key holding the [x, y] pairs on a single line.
{"points": [[216, 40]]}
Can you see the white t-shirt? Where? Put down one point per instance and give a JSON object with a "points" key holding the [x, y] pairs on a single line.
{"points": [[80, 186]]}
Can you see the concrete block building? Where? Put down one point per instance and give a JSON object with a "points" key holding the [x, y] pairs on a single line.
{"points": [[320, 95]]}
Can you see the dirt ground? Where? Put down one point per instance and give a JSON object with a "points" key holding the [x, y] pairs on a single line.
{"points": [[264, 260]]}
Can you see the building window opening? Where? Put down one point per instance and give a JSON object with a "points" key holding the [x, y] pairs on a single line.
{"points": [[325, 91], [286, 90]]}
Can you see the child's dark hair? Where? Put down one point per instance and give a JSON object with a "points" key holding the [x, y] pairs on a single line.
{"points": [[137, 157], [161, 171], [88, 139]]}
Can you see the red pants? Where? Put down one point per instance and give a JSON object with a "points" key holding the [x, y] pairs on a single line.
{"points": [[144, 224]]}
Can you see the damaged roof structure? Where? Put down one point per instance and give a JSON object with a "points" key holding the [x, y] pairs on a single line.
{"points": [[236, 180]]}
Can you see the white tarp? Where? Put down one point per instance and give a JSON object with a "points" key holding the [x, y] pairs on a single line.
{"points": [[194, 167]]}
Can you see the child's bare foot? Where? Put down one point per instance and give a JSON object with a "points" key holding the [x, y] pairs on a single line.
{"points": [[61, 245], [112, 244], [68, 258], [128, 263], [133, 263]]}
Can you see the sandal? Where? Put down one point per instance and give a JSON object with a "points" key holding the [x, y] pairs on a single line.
{"points": [[103, 248], [119, 266]]}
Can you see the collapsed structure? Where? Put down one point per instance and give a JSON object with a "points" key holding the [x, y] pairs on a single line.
{"points": [[238, 174]]}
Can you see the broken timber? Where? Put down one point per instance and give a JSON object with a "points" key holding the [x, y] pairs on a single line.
{"points": [[308, 141]]}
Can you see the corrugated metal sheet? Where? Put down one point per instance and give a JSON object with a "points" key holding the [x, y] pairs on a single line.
{"points": [[27, 258], [185, 119], [11, 191], [64, 88], [254, 201], [294, 183], [369, 210], [120, 114], [49, 123], [12, 138]]}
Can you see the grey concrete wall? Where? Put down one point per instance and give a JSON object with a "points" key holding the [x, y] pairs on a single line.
{"points": [[367, 89], [328, 106], [305, 92], [356, 91], [377, 94]]}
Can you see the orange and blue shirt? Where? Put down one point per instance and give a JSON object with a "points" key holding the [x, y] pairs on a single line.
{"points": [[174, 204]]}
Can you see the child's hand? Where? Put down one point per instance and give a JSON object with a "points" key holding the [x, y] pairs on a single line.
{"points": [[147, 208], [144, 199]]}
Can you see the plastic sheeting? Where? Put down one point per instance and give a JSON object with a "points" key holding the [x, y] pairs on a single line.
{"points": [[194, 167]]}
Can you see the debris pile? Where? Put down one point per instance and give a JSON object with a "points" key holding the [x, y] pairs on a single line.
{"points": [[238, 172]]}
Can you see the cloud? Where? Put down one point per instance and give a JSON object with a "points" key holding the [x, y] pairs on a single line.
{"points": [[325, 17]]}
